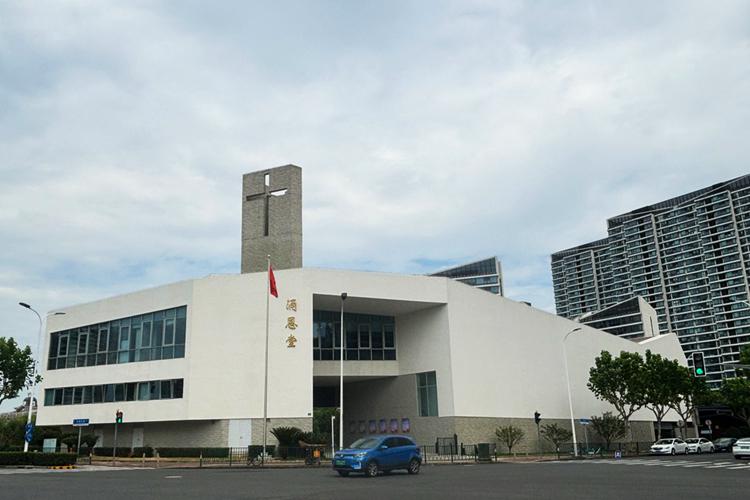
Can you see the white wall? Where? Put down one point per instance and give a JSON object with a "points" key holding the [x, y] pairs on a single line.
{"points": [[507, 358]]}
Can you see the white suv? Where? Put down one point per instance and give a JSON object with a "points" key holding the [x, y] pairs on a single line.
{"points": [[671, 446]]}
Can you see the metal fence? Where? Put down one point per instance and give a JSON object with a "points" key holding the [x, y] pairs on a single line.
{"points": [[461, 453]]}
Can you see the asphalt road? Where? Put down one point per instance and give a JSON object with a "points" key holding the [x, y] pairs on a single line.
{"points": [[710, 477]]}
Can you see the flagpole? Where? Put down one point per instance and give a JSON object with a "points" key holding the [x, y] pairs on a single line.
{"points": [[265, 379]]}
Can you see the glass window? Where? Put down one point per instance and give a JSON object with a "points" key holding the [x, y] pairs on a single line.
{"points": [[153, 389], [427, 394], [119, 392], [143, 391], [166, 389], [177, 388], [169, 331]]}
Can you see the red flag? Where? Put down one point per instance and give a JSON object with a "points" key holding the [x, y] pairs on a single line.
{"points": [[272, 282]]}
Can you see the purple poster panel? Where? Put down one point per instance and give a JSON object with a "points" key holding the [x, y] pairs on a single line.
{"points": [[362, 427], [373, 427], [405, 425], [383, 426], [394, 425], [352, 426]]}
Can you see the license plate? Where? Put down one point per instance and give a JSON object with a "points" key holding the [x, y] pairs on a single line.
{"points": [[340, 462]]}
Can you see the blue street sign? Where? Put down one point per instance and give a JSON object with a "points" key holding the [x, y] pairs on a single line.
{"points": [[80, 422], [584, 421], [29, 432]]}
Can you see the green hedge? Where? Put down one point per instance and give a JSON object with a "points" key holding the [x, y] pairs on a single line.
{"points": [[106, 451], [31, 458]]}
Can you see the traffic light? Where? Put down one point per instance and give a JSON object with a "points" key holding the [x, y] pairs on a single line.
{"points": [[118, 417], [699, 365], [537, 417]]}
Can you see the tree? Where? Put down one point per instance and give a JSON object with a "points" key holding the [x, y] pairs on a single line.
{"points": [[89, 440], [510, 436], [16, 369], [287, 437], [556, 434], [736, 394], [619, 381], [744, 360], [610, 427], [661, 386], [691, 390]]}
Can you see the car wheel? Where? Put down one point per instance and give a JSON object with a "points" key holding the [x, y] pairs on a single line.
{"points": [[686, 450], [343, 473], [673, 452], [712, 450], [413, 466], [700, 450], [372, 469]]}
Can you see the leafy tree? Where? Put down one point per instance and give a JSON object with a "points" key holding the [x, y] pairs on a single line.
{"points": [[619, 381], [610, 427], [510, 436], [736, 394], [691, 391], [661, 386], [89, 440], [286, 436], [322, 423], [12, 431], [70, 440], [556, 434], [16, 369], [744, 360]]}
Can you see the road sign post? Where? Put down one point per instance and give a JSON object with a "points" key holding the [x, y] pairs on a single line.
{"points": [[80, 423], [585, 422]]}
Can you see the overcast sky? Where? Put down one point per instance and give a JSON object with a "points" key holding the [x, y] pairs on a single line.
{"points": [[429, 133]]}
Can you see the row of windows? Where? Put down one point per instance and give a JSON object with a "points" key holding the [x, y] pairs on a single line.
{"points": [[110, 393], [153, 336], [366, 336]]}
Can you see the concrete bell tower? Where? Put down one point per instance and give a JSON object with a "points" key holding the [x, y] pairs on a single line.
{"points": [[272, 218]]}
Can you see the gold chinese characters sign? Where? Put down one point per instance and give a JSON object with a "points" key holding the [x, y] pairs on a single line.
{"points": [[291, 323]]}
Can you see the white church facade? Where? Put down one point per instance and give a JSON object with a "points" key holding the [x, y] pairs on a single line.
{"points": [[424, 355]]}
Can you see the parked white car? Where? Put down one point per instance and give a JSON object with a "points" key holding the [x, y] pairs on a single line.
{"points": [[699, 445], [671, 446], [741, 448]]}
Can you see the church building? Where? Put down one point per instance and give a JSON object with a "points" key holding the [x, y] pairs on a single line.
{"points": [[424, 356]]}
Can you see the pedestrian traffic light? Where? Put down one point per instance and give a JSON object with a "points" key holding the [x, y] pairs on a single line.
{"points": [[537, 417], [699, 365], [118, 417]]}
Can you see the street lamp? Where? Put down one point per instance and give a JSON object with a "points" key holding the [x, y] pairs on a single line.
{"points": [[570, 397], [341, 376], [32, 389]]}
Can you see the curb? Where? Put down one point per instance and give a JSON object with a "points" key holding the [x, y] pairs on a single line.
{"points": [[61, 467]]}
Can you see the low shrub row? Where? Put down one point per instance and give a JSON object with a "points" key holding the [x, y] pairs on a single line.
{"points": [[33, 458]]}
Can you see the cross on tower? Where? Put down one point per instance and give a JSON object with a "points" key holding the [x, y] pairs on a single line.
{"points": [[266, 195]]}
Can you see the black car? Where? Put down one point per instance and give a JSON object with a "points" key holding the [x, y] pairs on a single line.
{"points": [[724, 444]]}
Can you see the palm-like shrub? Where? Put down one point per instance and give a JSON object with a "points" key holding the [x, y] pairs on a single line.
{"points": [[287, 437]]}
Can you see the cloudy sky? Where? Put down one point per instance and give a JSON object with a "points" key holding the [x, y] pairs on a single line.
{"points": [[430, 133]]}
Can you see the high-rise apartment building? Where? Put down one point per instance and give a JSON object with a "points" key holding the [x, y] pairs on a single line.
{"points": [[687, 257]]}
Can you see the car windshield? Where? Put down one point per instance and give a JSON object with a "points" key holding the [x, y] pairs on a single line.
{"points": [[365, 443], [664, 441], [723, 440], [691, 441]]}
